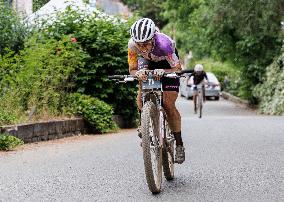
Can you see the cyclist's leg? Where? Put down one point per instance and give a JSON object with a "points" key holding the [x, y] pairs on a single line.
{"points": [[194, 100], [174, 120], [139, 100], [139, 105], [203, 92]]}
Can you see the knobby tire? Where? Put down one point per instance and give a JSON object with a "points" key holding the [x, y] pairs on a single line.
{"points": [[149, 117], [168, 153]]}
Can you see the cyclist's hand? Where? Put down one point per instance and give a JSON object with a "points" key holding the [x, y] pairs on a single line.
{"points": [[158, 73], [141, 74]]}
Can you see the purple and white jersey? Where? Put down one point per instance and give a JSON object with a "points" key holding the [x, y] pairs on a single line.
{"points": [[163, 49]]}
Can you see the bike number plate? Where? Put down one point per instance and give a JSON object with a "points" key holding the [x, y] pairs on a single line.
{"points": [[151, 84]]}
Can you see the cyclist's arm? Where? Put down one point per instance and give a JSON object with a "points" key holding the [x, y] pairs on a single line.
{"points": [[191, 74], [188, 77], [132, 62], [172, 59], [176, 68]]}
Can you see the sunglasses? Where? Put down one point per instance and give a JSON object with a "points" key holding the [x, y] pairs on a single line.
{"points": [[144, 44]]}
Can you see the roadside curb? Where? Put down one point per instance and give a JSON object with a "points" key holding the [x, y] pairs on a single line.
{"points": [[234, 99], [48, 130]]}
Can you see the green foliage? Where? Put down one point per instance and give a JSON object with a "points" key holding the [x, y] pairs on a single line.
{"points": [[12, 31], [50, 67], [148, 8], [246, 33], [8, 142], [104, 40], [96, 112], [100, 38], [42, 75], [184, 26], [7, 117], [271, 92], [37, 4]]}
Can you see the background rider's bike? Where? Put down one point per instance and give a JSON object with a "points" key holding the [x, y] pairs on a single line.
{"points": [[157, 138], [198, 100]]}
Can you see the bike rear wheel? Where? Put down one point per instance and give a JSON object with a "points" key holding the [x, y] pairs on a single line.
{"points": [[168, 152], [152, 150]]}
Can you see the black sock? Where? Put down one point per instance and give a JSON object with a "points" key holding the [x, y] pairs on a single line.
{"points": [[178, 138]]}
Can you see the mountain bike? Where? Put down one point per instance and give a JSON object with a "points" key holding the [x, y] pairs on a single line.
{"points": [[157, 138], [198, 100]]}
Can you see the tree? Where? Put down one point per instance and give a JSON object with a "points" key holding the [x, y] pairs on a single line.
{"points": [[247, 33], [152, 9]]}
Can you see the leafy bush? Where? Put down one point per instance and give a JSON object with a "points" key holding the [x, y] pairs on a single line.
{"points": [[105, 40], [8, 142], [50, 67], [100, 38], [271, 92], [96, 112], [40, 76], [12, 31], [7, 117]]}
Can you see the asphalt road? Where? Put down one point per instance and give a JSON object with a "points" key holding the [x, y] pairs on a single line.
{"points": [[232, 154]]}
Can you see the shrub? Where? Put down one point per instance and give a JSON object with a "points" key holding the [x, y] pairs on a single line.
{"points": [[12, 31], [40, 76], [96, 112], [8, 142], [271, 92], [106, 43], [51, 66], [105, 40]]}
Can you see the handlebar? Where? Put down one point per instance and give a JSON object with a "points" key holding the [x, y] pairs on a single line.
{"points": [[127, 78]]}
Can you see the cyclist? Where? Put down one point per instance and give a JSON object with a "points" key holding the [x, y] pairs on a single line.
{"points": [[198, 78], [148, 49]]}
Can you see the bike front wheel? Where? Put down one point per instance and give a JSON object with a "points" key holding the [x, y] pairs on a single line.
{"points": [[152, 150], [168, 152]]}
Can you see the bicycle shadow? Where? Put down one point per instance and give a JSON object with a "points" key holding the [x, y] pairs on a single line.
{"points": [[181, 188]]}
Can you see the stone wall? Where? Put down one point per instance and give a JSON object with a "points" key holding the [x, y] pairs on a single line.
{"points": [[49, 130]]}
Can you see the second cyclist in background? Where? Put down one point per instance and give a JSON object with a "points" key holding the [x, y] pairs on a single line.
{"points": [[198, 78]]}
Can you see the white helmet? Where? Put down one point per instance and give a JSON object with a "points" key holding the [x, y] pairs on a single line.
{"points": [[143, 30], [198, 68]]}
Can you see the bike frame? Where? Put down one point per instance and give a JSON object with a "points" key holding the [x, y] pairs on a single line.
{"points": [[199, 98], [154, 87]]}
